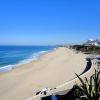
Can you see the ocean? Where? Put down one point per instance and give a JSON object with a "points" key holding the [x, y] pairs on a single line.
{"points": [[12, 56]]}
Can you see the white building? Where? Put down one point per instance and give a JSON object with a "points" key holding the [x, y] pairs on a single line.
{"points": [[95, 42]]}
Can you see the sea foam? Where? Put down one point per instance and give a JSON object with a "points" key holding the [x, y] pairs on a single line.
{"points": [[34, 57]]}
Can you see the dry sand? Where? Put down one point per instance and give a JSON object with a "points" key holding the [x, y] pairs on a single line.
{"points": [[50, 70]]}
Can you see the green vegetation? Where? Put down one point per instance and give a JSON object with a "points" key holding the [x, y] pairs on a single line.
{"points": [[97, 50], [90, 88], [87, 49]]}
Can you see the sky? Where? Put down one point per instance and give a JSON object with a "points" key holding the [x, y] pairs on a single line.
{"points": [[48, 22]]}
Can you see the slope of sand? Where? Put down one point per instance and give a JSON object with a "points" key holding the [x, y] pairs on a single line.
{"points": [[50, 70]]}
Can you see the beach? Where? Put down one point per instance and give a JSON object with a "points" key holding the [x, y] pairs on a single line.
{"points": [[50, 70]]}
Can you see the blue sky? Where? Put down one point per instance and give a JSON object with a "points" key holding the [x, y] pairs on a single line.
{"points": [[44, 22]]}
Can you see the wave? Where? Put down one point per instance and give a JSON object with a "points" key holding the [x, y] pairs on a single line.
{"points": [[35, 56]]}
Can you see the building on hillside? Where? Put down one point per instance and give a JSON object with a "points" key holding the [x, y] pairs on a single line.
{"points": [[92, 42]]}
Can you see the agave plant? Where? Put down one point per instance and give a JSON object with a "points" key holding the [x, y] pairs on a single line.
{"points": [[91, 87]]}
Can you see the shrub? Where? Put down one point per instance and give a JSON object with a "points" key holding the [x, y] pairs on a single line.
{"points": [[91, 87]]}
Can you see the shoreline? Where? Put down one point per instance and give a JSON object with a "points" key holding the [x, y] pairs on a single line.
{"points": [[33, 58], [50, 70]]}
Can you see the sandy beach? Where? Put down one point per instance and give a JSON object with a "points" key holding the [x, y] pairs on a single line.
{"points": [[50, 70]]}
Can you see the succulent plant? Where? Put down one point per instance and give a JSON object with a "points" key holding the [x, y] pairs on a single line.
{"points": [[91, 87]]}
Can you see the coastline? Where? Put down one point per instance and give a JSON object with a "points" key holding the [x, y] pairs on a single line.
{"points": [[34, 57], [50, 70]]}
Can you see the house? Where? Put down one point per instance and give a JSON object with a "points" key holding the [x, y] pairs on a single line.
{"points": [[92, 42]]}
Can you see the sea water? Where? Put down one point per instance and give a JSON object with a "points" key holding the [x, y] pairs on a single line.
{"points": [[12, 56]]}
